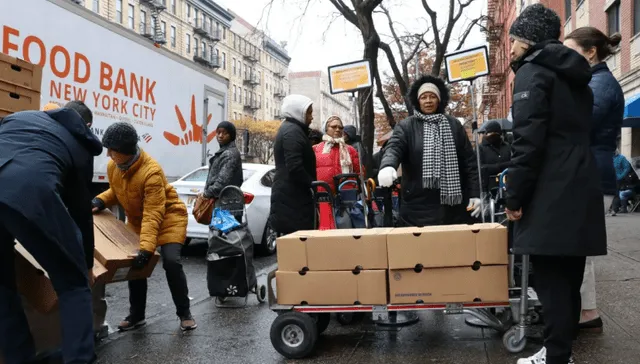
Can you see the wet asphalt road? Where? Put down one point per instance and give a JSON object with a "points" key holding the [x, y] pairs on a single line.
{"points": [[242, 335]]}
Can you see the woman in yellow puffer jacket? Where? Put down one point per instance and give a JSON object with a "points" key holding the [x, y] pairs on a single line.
{"points": [[154, 211]]}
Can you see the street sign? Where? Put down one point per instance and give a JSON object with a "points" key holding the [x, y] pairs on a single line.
{"points": [[350, 77], [467, 64]]}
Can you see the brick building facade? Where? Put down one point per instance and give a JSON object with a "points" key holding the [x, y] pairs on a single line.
{"points": [[610, 16]]}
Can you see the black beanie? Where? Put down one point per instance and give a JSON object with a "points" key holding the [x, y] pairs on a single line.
{"points": [[493, 127], [229, 127], [536, 24], [121, 137]]}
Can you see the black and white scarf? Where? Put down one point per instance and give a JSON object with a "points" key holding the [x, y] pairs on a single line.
{"points": [[440, 169]]}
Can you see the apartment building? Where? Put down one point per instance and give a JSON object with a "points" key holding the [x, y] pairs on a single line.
{"points": [[315, 85], [216, 38], [610, 16]]}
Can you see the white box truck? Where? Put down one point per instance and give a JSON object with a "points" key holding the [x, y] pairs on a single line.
{"points": [[121, 76]]}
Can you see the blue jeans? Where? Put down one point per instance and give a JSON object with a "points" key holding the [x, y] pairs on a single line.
{"points": [[70, 283], [625, 196]]}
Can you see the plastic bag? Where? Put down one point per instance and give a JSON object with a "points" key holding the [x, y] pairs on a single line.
{"points": [[222, 220]]}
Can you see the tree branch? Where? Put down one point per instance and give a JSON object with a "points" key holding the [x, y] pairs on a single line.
{"points": [[346, 11], [467, 31], [383, 100]]}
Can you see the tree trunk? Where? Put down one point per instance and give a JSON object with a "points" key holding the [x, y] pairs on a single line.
{"points": [[371, 41]]}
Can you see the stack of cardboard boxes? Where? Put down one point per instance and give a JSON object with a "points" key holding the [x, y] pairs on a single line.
{"points": [[20, 84], [439, 264]]}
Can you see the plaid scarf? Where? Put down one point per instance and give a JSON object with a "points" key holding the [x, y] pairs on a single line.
{"points": [[440, 169], [345, 157]]}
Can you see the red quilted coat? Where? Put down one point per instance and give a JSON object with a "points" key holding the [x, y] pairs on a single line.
{"points": [[328, 166]]}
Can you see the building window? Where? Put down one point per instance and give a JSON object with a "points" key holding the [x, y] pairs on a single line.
{"points": [[224, 61], [204, 49], [188, 12], [188, 41], [195, 14], [235, 116], [173, 36], [567, 9], [119, 11], [235, 93], [143, 21], [195, 46], [153, 26], [636, 16], [211, 54], [131, 18], [613, 18], [234, 66], [96, 6], [163, 27], [246, 98], [224, 33], [173, 6]]}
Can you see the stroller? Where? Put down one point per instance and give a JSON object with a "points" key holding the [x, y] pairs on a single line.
{"points": [[230, 269]]}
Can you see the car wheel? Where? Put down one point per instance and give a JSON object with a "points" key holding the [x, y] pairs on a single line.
{"points": [[267, 246], [187, 241]]}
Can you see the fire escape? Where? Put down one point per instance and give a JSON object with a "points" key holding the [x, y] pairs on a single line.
{"points": [[154, 31], [494, 88]]}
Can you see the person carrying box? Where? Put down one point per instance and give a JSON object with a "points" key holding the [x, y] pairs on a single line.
{"points": [[154, 211], [45, 204]]}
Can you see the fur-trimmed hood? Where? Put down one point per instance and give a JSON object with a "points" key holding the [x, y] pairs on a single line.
{"points": [[444, 92]]}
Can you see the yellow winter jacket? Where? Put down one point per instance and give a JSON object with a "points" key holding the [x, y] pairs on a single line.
{"points": [[151, 204]]}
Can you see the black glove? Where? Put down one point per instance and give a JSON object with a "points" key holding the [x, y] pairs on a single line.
{"points": [[97, 203], [141, 260]]}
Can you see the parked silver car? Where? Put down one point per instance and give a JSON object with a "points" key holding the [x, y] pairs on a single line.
{"points": [[258, 179]]}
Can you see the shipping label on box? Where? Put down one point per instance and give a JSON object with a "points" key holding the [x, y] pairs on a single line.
{"points": [[34, 284], [333, 250], [332, 288], [447, 246], [449, 285], [20, 73], [116, 245]]}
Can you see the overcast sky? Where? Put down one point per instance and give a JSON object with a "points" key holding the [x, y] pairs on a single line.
{"points": [[314, 45]]}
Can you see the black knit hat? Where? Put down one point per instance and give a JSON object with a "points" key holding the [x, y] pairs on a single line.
{"points": [[121, 137], [229, 127], [493, 127], [536, 24]]}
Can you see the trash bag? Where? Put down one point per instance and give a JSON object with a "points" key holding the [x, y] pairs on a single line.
{"points": [[230, 269], [223, 220]]}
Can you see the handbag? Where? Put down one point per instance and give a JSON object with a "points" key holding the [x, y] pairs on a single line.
{"points": [[203, 210]]}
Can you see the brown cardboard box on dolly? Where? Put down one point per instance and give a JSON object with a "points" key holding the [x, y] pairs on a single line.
{"points": [[20, 84], [333, 267], [448, 264]]}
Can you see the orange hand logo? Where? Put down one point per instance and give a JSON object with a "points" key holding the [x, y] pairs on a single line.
{"points": [[195, 134]]}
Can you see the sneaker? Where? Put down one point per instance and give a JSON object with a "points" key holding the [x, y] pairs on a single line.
{"points": [[130, 324], [188, 323], [538, 358]]}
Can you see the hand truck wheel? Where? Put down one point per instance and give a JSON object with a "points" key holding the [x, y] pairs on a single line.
{"points": [[294, 335], [511, 342], [322, 321], [261, 293]]}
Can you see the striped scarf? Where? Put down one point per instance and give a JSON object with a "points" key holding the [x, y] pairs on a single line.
{"points": [[440, 169]]}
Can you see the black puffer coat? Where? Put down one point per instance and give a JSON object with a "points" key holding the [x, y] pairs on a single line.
{"points": [[225, 169], [553, 176], [608, 111], [292, 206], [420, 206], [494, 159]]}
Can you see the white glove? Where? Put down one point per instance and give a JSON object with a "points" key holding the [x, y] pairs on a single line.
{"points": [[475, 206], [386, 176]]}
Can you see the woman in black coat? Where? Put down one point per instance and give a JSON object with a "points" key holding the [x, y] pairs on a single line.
{"points": [[551, 193], [439, 175], [608, 111], [292, 206]]}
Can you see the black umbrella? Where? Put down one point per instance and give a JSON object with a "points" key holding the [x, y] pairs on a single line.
{"points": [[505, 124]]}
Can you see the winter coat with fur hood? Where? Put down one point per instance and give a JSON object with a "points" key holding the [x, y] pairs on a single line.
{"points": [[420, 206]]}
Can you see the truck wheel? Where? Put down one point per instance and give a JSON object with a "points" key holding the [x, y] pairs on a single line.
{"points": [[294, 335]]}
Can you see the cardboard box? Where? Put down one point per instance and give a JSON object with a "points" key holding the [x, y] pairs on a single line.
{"points": [[20, 73], [447, 246], [34, 284], [332, 288], [15, 98], [333, 250], [450, 285], [116, 246]]}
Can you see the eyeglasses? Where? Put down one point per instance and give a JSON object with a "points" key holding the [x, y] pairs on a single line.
{"points": [[339, 127]]}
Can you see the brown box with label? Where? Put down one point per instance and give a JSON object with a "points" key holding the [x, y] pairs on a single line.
{"points": [[332, 288], [34, 284], [333, 250], [449, 285], [116, 247], [447, 246]]}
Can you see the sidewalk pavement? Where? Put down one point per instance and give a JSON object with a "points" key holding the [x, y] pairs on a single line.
{"points": [[242, 335]]}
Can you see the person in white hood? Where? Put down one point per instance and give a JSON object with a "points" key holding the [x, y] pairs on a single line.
{"points": [[292, 206]]}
